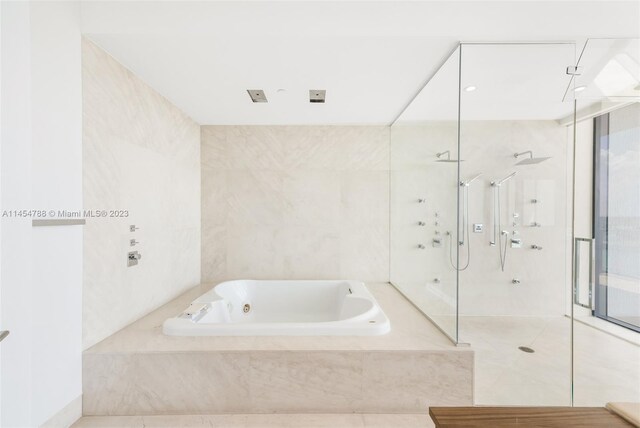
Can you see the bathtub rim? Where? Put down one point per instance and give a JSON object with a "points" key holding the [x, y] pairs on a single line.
{"points": [[355, 326]]}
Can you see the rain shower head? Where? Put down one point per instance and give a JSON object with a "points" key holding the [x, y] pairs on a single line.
{"points": [[531, 160], [448, 159]]}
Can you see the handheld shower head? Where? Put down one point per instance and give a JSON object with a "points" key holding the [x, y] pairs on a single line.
{"points": [[468, 182], [531, 160], [499, 182], [448, 159]]}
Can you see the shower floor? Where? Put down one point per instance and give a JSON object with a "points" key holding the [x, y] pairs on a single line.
{"points": [[606, 368]]}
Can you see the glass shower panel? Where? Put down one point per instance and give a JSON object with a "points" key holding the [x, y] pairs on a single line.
{"points": [[606, 345], [515, 223], [424, 193]]}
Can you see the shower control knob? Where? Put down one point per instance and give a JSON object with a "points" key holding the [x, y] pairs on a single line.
{"points": [[421, 223], [420, 246], [421, 201], [536, 247], [534, 201], [515, 281]]}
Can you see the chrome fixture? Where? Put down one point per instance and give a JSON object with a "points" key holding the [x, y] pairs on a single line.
{"points": [[436, 280], [574, 70], [133, 228], [257, 95], [132, 258], [422, 200], [531, 160], [535, 224], [448, 159], [499, 182], [317, 95], [515, 281], [133, 242], [420, 246], [3, 334], [436, 243], [465, 225], [196, 311], [421, 223], [497, 221], [536, 247], [466, 183]]}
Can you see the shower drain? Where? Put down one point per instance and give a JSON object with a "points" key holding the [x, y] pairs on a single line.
{"points": [[526, 349]]}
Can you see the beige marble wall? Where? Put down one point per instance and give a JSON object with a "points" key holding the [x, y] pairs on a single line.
{"points": [[140, 154], [292, 202]]}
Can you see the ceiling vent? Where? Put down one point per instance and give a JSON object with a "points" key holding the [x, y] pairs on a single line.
{"points": [[257, 95], [317, 95]]}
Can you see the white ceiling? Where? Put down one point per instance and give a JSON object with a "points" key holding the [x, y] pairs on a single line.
{"points": [[371, 57], [524, 81], [512, 81]]}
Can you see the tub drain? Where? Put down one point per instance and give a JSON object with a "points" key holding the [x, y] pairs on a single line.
{"points": [[246, 308], [526, 349]]}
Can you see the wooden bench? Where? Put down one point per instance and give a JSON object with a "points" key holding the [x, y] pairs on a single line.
{"points": [[561, 417]]}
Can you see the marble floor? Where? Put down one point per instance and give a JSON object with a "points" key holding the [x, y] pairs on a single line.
{"points": [[260, 421], [607, 368]]}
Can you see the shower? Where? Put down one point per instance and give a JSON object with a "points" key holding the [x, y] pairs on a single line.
{"points": [[497, 233], [531, 160], [465, 224], [448, 159]]}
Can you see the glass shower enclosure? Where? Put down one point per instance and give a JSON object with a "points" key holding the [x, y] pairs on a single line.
{"points": [[490, 167]]}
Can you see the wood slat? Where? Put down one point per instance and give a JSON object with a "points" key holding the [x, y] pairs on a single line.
{"points": [[550, 417]]}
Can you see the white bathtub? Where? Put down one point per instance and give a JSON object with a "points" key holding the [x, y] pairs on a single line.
{"points": [[282, 308]]}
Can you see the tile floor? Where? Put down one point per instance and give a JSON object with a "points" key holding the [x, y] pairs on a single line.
{"points": [[606, 368], [260, 421]]}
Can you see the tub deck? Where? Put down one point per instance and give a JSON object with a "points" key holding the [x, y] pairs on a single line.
{"points": [[141, 371]]}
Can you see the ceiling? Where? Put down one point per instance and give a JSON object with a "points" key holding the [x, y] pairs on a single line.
{"points": [[531, 87], [526, 81], [371, 57]]}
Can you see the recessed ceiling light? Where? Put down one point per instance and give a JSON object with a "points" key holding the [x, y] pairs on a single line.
{"points": [[257, 95], [470, 88], [579, 88], [317, 95]]}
